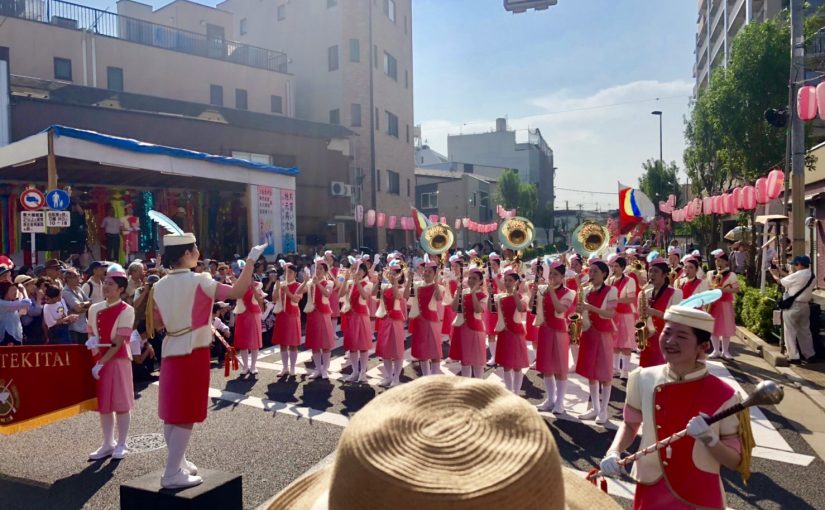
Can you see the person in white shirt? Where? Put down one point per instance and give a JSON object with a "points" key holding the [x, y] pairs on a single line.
{"points": [[93, 287], [796, 320], [111, 226]]}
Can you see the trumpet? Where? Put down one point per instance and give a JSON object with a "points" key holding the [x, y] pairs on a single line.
{"points": [[574, 329], [642, 333]]}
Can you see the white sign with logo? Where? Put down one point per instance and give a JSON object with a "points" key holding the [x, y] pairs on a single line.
{"points": [[33, 222], [59, 219]]}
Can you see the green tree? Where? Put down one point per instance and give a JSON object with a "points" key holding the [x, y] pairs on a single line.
{"points": [[508, 191], [527, 200], [658, 182]]}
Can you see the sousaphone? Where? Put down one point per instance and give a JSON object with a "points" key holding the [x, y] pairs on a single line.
{"points": [[516, 233], [590, 238]]}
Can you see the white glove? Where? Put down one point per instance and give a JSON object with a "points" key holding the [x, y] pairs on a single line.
{"points": [[92, 342], [699, 429], [256, 252], [609, 465], [96, 371]]}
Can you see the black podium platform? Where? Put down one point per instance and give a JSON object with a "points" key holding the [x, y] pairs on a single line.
{"points": [[218, 490]]}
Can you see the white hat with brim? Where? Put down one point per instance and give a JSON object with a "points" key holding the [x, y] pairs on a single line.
{"points": [[444, 443], [179, 239], [692, 317]]}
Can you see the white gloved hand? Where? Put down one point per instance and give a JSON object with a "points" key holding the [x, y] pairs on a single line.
{"points": [[96, 371], [609, 465], [92, 342], [699, 429], [256, 252]]}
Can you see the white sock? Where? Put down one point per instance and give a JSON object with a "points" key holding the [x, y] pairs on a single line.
{"points": [[285, 359], [353, 360], [726, 345], [123, 421], [625, 362], [254, 355], [478, 371], [508, 380], [595, 397], [425, 367], [293, 357], [574, 351], [561, 390], [245, 358], [550, 385], [397, 368], [316, 360], [107, 425], [466, 371], [518, 377], [435, 366], [492, 344], [616, 361], [364, 360], [388, 371], [325, 360], [176, 446], [605, 400], [714, 340]]}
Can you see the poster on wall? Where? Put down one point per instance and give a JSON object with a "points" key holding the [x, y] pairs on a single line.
{"points": [[288, 220], [265, 225]]}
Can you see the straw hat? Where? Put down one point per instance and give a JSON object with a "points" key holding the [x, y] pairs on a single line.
{"points": [[444, 442]]}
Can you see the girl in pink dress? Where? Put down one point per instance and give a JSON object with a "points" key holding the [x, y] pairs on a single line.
{"points": [[287, 330], [392, 312], [426, 332], [451, 286], [534, 278], [552, 347], [511, 349], [595, 362], [691, 283], [358, 332], [248, 331], [110, 326], [660, 296], [724, 326], [625, 317], [494, 284], [332, 274], [320, 336], [470, 327]]}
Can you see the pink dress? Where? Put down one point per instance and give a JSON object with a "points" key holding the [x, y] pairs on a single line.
{"points": [[426, 333], [471, 336], [358, 330], [595, 361], [449, 314], [115, 392], [391, 334], [553, 344], [334, 304], [248, 330], [624, 319], [652, 355], [511, 349], [319, 334], [287, 329], [724, 318]]}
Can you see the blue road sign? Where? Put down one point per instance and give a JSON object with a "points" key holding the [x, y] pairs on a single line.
{"points": [[57, 200]]}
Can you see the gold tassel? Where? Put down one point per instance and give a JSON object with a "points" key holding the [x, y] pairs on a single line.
{"points": [[150, 313], [747, 442]]}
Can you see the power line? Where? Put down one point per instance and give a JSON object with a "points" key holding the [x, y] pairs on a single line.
{"points": [[616, 104], [589, 191]]}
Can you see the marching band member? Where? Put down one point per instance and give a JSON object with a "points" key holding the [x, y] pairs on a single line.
{"points": [[392, 312], [511, 349], [287, 330], [532, 329], [659, 296], [320, 337], [248, 329], [691, 283], [452, 294], [110, 325], [181, 302], [661, 400], [596, 350], [553, 342], [333, 275], [625, 314], [494, 284], [724, 320], [426, 332], [575, 279], [674, 260], [358, 331], [470, 329]]}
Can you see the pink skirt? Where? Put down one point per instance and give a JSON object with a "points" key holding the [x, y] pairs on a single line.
{"points": [[115, 393], [625, 331], [455, 343], [319, 331], [358, 334], [552, 351], [390, 340], [184, 388], [657, 495], [473, 346], [447, 324], [652, 355], [724, 318], [248, 331], [595, 362], [334, 306], [426, 339], [532, 331], [511, 350], [287, 330]]}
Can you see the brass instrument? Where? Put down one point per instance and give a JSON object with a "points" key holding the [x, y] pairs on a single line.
{"points": [[642, 333], [516, 233], [590, 238], [576, 325], [716, 282], [436, 239], [673, 276]]}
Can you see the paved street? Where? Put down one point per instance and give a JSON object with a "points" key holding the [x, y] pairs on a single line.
{"points": [[272, 430]]}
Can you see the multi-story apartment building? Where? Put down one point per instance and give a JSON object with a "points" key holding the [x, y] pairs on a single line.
{"points": [[352, 65]]}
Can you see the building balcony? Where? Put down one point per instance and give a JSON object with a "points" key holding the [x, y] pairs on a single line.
{"points": [[107, 24]]}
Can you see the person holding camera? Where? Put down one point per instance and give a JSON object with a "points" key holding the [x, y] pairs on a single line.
{"points": [[796, 318]]}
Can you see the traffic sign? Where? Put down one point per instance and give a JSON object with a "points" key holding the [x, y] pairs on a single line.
{"points": [[57, 200], [32, 199], [59, 219], [33, 222]]}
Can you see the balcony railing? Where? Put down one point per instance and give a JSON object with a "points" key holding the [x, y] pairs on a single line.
{"points": [[108, 24]]}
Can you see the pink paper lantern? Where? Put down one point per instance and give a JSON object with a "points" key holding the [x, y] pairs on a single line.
{"points": [[491, 228], [776, 180], [806, 102], [433, 218], [820, 99], [748, 198], [689, 214], [737, 197], [707, 207], [457, 224], [697, 206], [762, 191], [393, 222], [465, 222], [380, 219], [370, 218], [443, 220]]}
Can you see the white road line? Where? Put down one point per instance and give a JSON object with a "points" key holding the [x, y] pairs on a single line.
{"points": [[280, 407]]}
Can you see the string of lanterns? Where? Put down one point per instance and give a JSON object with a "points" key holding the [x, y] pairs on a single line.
{"points": [[372, 218]]}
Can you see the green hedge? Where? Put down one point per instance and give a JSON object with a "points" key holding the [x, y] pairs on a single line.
{"points": [[754, 309]]}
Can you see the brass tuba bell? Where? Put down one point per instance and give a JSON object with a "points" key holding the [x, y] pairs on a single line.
{"points": [[590, 238], [436, 239], [516, 233]]}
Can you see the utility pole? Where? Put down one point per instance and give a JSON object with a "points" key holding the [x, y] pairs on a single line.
{"points": [[797, 129]]}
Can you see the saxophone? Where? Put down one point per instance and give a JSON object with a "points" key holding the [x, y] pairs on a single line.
{"points": [[574, 329], [642, 333]]}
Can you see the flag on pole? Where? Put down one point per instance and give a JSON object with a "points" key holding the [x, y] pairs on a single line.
{"points": [[421, 222]]}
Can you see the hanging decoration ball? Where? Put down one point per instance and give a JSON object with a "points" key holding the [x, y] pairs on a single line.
{"points": [[748, 198], [762, 191], [737, 198], [465, 222], [380, 219], [806, 102], [776, 179], [707, 207], [393, 222], [359, 213], [370, 218]]}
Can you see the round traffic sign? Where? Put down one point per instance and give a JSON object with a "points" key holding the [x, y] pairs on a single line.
{"points": [[32, 199], [57, 200]]}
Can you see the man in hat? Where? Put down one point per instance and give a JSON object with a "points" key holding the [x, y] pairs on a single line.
{"points": [[796, 320], [78, 303], [664, 399], [54, 270], [94, 285]]}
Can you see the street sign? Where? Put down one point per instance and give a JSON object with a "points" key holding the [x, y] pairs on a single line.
{"points": [[33, 222], [57, 200], [59, 219], [32, 199]]}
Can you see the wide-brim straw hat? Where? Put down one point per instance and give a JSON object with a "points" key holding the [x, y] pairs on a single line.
{"points": [[444, 443]]}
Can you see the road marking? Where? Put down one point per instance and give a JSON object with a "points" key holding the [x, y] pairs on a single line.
{"points": [[280, 407]]}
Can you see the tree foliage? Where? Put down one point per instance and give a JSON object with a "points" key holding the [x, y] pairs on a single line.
{"points": [[657, 181], [512, 193]]}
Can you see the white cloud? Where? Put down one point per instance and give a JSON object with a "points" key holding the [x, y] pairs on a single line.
{"points": [[597, 139]]}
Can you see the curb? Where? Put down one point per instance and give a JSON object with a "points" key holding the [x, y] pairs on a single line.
{"points": [[803, 385]]}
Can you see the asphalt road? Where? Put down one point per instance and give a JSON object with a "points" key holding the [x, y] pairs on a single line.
{"points": [[271, 430]]}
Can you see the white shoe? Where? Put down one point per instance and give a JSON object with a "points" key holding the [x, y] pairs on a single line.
{"points": [[119, 452], [602, 418], [362, 378], [283, 373], [559, 409], [436, 369], [545, 406], [314, 375], [180, 480], [245, 371], [254, 372], [589, 415], [727, 356], [189, 467], [395, 383], [352, 377], [715, 354], [102, 452], [385, 382], [291, 371], [491, 362], [324, 375]]}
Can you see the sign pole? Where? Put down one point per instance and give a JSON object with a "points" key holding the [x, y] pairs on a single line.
{"points": [[34, 249]]}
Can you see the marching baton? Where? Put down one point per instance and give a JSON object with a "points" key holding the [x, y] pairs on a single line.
{"points": [[767, 393]]}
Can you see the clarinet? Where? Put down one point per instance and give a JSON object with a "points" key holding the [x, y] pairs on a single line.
{"points": [[534, 303], [492, 297], [458, 291]]}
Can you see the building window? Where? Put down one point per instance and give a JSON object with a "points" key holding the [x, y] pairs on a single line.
{"points": [[468, 168], [242, 27], [408, 133], [375, 55], [429, 200], [355, 115], [393, 183], [281, 12], [216, 95], [377, 179], [389, 9], [354, 50], [240, 99], [406, 79], [62, 69], [332, 57], [392, 125], [408, 187], [390, 66], [377, 120], [276, 104], [335, 116], [114, 78], [331, 3], [254, 157]]}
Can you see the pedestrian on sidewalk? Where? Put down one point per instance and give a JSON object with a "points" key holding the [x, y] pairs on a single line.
{"points": [[796, 320]]}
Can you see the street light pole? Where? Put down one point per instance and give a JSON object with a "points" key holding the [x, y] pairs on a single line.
{"points": [[661, 159]]}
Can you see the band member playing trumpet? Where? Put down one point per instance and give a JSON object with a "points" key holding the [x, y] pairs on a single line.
{"points": [[471, 304], [452, 293], [553, 344], [691, 282], [511, 350], [426, 333], [659, 296], [625, 314], [724, 326]]}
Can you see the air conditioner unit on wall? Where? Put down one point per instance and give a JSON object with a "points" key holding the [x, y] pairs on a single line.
{"points": [[340, 189]]}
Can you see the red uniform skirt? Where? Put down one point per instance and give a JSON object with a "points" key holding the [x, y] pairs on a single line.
{"points": [[426, 339], [552, 351], [115, 392], [473, 345], [319, 331], [184, 388], [625, 331], [595, 361], [652, 355], [511, 350], [287, 330], [358, 333], [390, 339], [491, 319], [532, 330], [447, 324], [248, 331], [455, 343]]}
